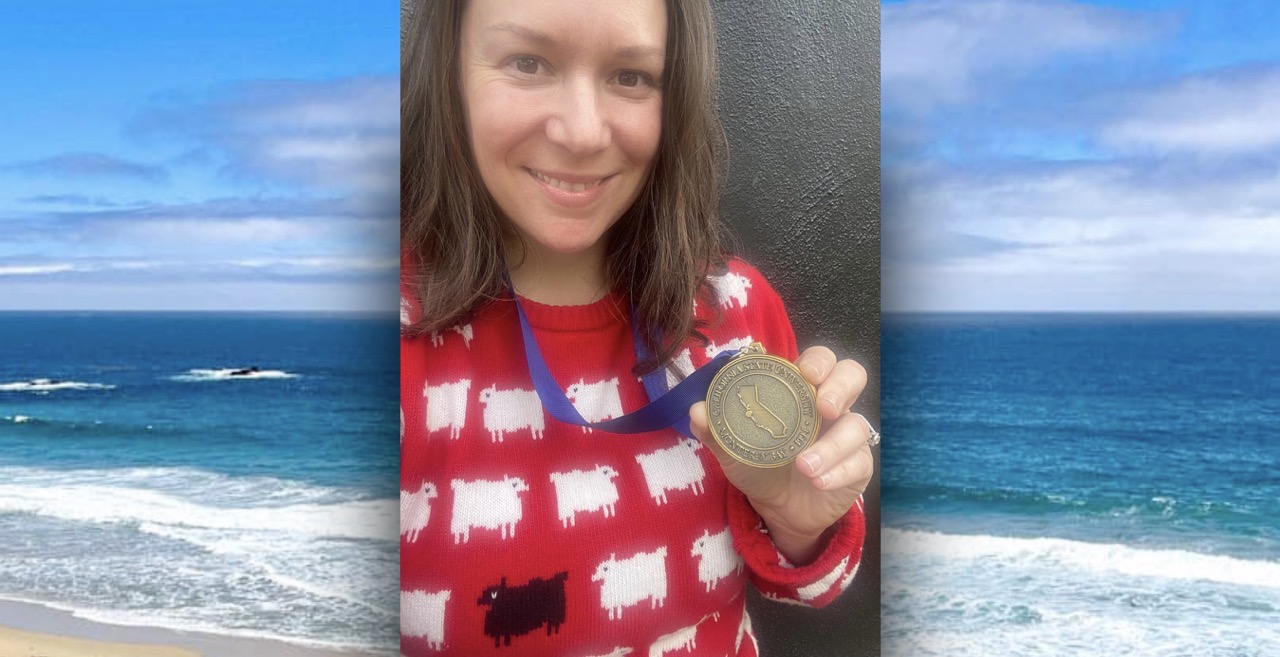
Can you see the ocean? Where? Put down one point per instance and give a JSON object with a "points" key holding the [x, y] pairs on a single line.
{"points": [[150, 475], [1081, 485]]}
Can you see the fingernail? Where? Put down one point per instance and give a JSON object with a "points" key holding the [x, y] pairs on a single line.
{"points": [[813, 369], [813, 461], [826, 479], [831, 399]]}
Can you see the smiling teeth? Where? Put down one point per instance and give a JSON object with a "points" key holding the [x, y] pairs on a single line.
{"points": [[567, 186]]}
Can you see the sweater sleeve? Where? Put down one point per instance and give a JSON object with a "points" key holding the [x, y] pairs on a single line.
{"points": [[815, 584], [819, 582]]}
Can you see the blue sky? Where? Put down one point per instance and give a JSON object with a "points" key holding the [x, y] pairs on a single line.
{"points": [[1081, 156], [199, 155]]}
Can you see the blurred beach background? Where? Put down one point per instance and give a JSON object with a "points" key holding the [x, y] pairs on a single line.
{"points": [[1082, 484], [1082, 309], [149, 477], [190, 191]]}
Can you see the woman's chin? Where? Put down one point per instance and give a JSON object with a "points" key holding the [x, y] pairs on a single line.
{"points": [[570, 246]]}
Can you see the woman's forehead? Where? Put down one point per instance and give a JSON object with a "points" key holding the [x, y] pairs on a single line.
{"points": [[634, 28]]}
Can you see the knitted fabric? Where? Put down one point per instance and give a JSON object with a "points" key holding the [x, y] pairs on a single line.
{"points": [[522, 535]]}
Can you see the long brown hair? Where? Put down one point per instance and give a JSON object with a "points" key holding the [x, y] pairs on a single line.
{"points": [[658, 254]]}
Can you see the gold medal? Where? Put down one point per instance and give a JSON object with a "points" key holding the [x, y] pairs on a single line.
{"points": [[761, 409]]}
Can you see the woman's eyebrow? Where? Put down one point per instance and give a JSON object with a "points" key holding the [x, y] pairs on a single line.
{"points": [[530, 34], [640, 52], [522, 31]]}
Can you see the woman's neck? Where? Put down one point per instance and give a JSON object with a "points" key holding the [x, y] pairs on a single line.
{"points": [[558, 279]]}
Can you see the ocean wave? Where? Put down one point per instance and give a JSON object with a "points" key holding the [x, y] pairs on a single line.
{"points": [[196, 550], [315, 569], [1025, 499], [46, 386], [1078, 504], [336, 593], [232, 374], [1083, 633], [946, 594], [60, 429], [215, 487], [181, 498], [1171, 564]]}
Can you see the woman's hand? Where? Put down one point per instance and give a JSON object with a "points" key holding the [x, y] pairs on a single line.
{"points": [[801, 501]]}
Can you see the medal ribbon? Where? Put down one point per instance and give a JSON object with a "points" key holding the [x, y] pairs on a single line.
{"points": [[666, 408]]}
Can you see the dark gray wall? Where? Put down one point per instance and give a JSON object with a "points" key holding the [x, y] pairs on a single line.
{"points": [[800, 100]]}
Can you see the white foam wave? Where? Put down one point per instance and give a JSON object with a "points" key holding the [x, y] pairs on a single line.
{"points": [[232, 374], [906, 545], [212, 488], [19, 419], [190, 549], [325, 592], [45, 386], [179, 500], [96, 504], [946, 594], [314, 569], [1087, 634]]}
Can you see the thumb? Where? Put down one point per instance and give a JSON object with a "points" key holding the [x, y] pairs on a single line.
{"points": [[700, 427]]}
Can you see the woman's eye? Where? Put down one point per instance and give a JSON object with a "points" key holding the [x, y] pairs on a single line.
{"points": [[527, 65], [629, 79]]}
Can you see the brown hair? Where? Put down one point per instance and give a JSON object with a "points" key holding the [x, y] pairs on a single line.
{"points": [[658, 254]]}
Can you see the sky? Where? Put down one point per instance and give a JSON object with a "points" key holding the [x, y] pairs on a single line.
{"points": [[1080, 156], [199, 155]]}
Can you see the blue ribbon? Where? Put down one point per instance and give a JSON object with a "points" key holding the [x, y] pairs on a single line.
{"points": [[666, 408]]}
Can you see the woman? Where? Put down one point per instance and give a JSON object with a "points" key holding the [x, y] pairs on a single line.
{"points": [[568, 152]]}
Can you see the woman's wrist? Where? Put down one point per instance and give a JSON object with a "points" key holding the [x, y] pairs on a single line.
{"points": [[799, 547], [799, 550]]}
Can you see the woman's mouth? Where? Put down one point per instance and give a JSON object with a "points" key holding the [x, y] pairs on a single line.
{"points": [[568, 183], [570, 190]]}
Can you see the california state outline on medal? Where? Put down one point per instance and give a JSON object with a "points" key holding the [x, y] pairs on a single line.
{"points": [[761, 410]]}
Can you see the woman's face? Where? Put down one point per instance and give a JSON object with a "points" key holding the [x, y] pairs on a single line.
{"points": [[564, 107]]}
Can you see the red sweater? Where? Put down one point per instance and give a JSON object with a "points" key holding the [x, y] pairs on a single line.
{"points": [[522, 535]]}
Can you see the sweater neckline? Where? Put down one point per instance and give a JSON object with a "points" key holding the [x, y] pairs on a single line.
{"points": [[609, 310]]}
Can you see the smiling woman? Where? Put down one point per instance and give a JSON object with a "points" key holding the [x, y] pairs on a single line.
{"points": [[564, 280], [563, 130], [443, 172]]}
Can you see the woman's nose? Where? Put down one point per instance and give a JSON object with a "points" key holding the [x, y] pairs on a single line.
{"points": [[580, 125]]}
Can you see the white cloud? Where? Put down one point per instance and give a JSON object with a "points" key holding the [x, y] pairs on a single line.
{"points": [[938, 52], [362, 103], [1017, 176], [89, 265], [314, 165], [34, 270], [92, 294], [209, 268], [322, 264], [330, 147], [331, 136], [1111, 236], [252, 233], [1220, 112]]}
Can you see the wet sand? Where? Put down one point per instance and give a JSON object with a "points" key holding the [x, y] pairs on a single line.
{"points": [[30, 630]]}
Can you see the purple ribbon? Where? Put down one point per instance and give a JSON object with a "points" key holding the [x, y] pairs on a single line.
{"points": [[666, 408]]}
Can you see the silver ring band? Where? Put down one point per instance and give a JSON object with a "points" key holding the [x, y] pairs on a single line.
{"points": [[873, 436]]}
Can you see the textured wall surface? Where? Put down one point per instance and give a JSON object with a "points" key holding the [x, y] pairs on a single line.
{"points": [[800, 99]]}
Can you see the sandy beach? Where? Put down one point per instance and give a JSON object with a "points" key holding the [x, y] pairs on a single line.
{"points": [[16, 643], [30, 630]]}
